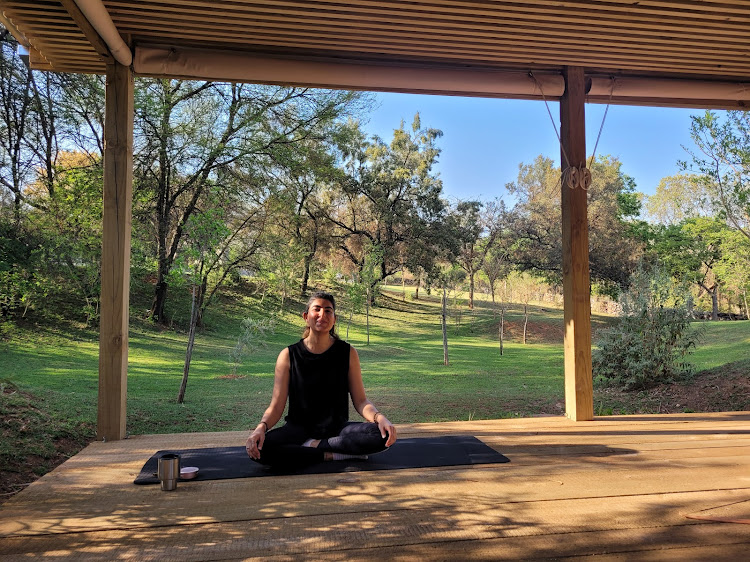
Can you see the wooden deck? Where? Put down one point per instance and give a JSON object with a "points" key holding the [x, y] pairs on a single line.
{"points": [[666, 487]]}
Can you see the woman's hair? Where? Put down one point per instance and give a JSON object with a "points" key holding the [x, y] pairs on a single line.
{"points": [[325, 296]]}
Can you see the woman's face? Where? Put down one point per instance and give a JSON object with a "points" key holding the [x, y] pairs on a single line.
{"points": [[320, 316]]}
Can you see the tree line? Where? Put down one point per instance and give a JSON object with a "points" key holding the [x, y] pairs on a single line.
{"points": [[284, 187]]}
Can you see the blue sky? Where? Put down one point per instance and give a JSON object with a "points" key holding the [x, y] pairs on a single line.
{"points": [[484, 140]]}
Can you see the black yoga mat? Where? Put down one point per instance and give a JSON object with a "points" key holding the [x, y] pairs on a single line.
{"points": [[232, 462]]}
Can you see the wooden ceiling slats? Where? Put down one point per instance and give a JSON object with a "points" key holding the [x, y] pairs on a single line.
{"points": [[452, 8], [668, 37], [677, 20], [440, 45], [129, 21], [344, 36]]}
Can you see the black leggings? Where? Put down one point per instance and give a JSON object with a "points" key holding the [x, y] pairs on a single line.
{"points": [[283, 445]]}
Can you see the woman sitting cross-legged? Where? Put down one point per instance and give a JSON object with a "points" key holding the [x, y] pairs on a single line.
{"points": [[318, 374]]}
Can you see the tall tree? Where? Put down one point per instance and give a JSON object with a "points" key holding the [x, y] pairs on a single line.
{"points": [[723, 142], [17, 162], [733, 268], [189, 132], [613, 205], [690, 250], [498, 263], [390, 196], [479, 225], [304, 175], [679, 197]]}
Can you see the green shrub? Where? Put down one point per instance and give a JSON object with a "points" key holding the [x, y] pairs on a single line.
{"points": [[649, 343]]}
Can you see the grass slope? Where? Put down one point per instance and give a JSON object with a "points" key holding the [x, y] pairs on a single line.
{"points": [[49, 376]]}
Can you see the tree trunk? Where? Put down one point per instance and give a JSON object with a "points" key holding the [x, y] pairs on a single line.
{"points": [[367, 313], [715, 303], [502, 328], [160, 299], [744, 298], [471, 290], [189, 353], [306, 275], [445, 327], [525, 321]]}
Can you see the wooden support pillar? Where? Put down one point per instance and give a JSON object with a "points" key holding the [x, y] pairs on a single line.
{"points": [[579, 400], [115, 297]]}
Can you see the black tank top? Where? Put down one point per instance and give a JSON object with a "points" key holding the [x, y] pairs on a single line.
{"points": [[319, 388]]}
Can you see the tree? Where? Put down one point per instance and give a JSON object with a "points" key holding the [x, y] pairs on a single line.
{"points": [[677, 198], [690, 250], [613, 205], [279, 265], [390, 196], [447, 278], [733, 268], [304, 175], [50, 198], [191, 135], [479, 226], [368, 277], [68, 219], [356, 296], [537, 217], [243, 234], [254, 335], [723, 160], [203, 232], [17, 162], [524, 286], [41, 112], [498, 262]]}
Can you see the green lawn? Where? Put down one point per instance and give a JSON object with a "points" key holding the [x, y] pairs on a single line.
{"points": [[402, 365], [723, 343]]}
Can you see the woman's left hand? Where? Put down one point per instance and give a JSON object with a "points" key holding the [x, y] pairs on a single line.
{"points": [[386, 427]]}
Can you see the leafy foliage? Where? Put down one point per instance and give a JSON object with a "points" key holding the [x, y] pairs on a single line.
{"points": [[612, 207], [649, 343], [724, 163]]}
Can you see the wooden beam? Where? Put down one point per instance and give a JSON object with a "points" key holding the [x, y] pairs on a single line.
{"points": [[235, 66], [579, 401], [115, 297], [87, 29]]}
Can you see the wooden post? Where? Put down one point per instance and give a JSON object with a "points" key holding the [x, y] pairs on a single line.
{"points": [[115, 297], [579, 399]]}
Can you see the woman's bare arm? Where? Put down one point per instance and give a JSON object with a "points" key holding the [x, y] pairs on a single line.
{"points": [[366, 408], [275, 409]]}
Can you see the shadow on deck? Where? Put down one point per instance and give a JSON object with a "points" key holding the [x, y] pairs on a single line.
{"points": [[666, 487]]}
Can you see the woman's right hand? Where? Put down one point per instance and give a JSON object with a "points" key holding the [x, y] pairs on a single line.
{"points": [[254, 443]]}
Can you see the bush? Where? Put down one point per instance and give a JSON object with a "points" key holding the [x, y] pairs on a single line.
{"points": [[651, 339]]}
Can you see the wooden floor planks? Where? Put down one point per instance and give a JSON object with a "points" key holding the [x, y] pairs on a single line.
{"points": [[624, 488]]}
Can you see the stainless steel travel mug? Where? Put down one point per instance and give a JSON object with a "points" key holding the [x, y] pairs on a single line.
{"points": [[169, 471]]}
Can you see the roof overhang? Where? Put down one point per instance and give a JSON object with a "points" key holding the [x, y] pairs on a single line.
{"points": [[692, 53]]}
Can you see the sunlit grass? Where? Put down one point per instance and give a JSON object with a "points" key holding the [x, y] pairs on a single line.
{"points": [[402, 366], [723, 342]]}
